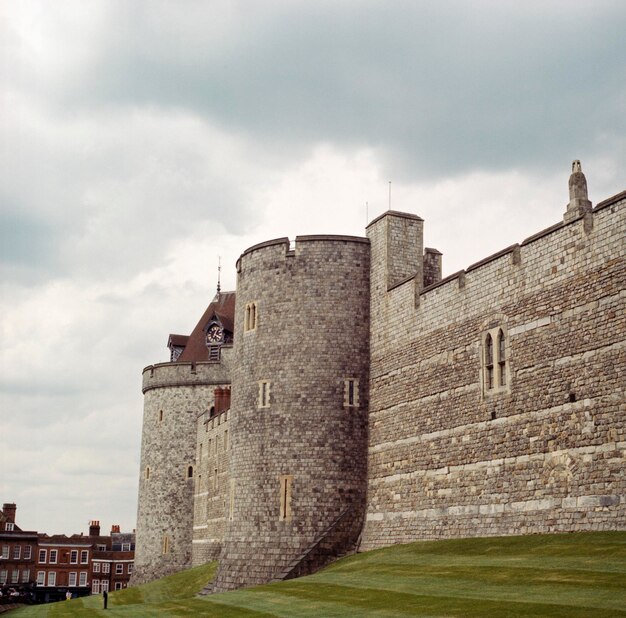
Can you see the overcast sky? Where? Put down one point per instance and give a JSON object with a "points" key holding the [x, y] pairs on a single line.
{"points": [[141, 140]]}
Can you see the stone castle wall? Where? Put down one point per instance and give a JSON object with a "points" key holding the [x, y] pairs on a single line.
{"points": [[544, 452], [212, 486], [298, 461], [175, 394]]}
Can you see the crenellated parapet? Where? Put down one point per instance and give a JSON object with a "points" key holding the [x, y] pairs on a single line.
{"points": [[166, 375]]}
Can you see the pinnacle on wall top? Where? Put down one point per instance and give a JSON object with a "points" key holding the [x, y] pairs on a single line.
{"points": [[579, 202]]}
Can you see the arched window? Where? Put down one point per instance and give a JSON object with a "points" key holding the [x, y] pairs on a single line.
{"points": [[501, 359], [488, 362], [190, 472]]}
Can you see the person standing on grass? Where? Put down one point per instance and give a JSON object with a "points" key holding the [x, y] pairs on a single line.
{"points": [[105, 598]]}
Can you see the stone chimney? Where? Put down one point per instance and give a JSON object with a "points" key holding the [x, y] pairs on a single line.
{"points": [[579, 203], [432, 266], [94, 528], [222, 399], [9, 508]]}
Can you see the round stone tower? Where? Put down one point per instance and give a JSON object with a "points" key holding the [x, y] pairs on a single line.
{"points": [[298, 409], [175, 395]]}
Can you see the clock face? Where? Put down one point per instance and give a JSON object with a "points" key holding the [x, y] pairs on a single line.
{"points": [[214, 334]]}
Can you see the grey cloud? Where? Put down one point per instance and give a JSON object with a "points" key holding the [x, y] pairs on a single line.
{"points": [[455, 88]]}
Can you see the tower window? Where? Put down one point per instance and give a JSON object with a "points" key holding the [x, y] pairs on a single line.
{"points": [[285, 497], [264, 394], [147, 472], [350, 393], [190, 472], [165, 545], [250, 317], [160, 416]]}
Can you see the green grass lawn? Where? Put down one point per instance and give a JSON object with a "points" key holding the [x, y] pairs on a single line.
{"points": [[565, 575]]}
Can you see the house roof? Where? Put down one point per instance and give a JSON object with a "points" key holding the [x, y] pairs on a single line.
{"points": [[177, 340], [222, 308]]}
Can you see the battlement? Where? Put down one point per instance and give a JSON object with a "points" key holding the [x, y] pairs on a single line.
{"points": [[301, 247], [163, 375], [518, 254]]}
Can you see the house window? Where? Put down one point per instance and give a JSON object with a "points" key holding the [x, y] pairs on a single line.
{"points": [[25, 576], [53, 556], [95, 586], [118, 585], [73, 557], [3, 576], [17, 552], [42, 555], [495, 361], [84, 556], [119, 569], [105, 585], [82, 581], [9, 526], [101, 547], [125, 546], [15, 576], [285, 497], [106, 567], [130, 568], [72, 579], [350, 393], [28, 552], [96, 567], [52, 578], [41, 578], [5, 552], [165, 546], [264, 394]]}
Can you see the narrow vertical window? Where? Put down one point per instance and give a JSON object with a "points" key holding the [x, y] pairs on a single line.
{"points": [[231, 505], [147, 472], [250, 317], [350, 393], [489, 362], [215, 480], [190, 472], [501, 359], [285, 497], [165, 547], [160, 416], [264, 394], [226, 440]]}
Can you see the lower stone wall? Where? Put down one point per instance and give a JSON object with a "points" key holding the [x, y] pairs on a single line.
{"points": [[212, 486], [453, 453]]}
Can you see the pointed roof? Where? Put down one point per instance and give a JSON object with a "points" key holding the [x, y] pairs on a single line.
{"points": [[222, 309]]}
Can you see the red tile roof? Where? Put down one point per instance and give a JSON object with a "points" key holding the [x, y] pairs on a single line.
{"points": [[222, 307]]}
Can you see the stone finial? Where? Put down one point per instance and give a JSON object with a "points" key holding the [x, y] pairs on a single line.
{"points": [[579, 203]]}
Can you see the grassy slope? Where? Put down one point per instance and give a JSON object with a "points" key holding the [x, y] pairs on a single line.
{"points": [[560, 575]]}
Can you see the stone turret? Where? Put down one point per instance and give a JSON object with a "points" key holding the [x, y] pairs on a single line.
{"points": [[579, 203], [299, 408]]}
